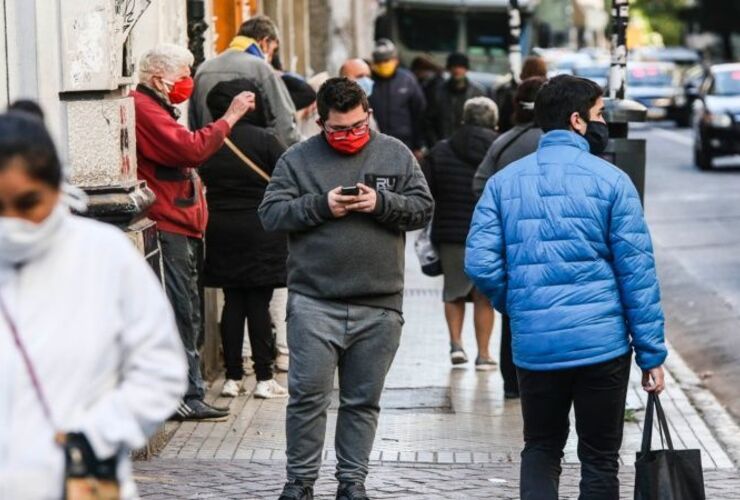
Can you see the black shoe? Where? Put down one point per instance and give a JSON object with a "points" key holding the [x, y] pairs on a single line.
{"points": [[511, 394], [195, 409], [217, 408], [351, 491], [296, 490]]}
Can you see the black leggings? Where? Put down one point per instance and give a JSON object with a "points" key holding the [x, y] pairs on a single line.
{"points": [[252, 304]]}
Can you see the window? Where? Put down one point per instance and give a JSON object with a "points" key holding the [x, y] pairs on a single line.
{"points": [[428, 30], [727, 83]]}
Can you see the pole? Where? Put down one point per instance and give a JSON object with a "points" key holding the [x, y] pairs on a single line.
{"points": [[515, 32], [618, 70], [197, 27]]}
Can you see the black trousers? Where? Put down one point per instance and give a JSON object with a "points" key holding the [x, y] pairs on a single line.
{"points": [[598, 393], [252, 305], [506, 358]]}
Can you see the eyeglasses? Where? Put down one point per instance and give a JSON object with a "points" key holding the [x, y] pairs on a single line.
{"points": [[341, 134]]}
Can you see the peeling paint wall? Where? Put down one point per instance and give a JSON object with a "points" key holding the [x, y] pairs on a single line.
{"points": [[102, 142]]}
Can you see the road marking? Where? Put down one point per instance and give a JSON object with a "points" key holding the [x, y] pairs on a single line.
{"points": [[674, 136]]}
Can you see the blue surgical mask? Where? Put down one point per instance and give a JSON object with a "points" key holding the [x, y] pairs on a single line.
{"points": [[366, 83]]}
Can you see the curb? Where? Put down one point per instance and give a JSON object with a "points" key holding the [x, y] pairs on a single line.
{"points": [[719, 421]]}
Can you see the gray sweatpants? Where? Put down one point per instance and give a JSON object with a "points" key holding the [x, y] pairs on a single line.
{"points": [[361, 342]]}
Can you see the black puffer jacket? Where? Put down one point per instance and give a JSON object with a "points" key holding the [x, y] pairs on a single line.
{"points": [[449, 169], [398, 105]]}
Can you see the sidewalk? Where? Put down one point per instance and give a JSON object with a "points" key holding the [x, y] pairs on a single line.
{"points": [[444, 433]]}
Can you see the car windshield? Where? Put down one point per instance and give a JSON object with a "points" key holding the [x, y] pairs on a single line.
{"points": [[649, 76], [727, 83]]}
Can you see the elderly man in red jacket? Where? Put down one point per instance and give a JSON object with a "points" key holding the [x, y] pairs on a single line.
{"points": [[168, 156]]}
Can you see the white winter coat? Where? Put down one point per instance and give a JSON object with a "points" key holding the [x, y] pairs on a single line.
{"points": [[101, 334]]}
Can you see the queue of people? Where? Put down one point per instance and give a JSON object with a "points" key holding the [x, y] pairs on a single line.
{"points": [[311, 260]]}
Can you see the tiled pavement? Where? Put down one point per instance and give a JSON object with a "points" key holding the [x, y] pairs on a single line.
{"points": [[443, 433]]}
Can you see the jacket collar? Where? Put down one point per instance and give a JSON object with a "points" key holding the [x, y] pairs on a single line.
{"points": [[172, 110], [564, 138]]}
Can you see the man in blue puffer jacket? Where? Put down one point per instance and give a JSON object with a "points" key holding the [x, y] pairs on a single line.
{"points": [[559, 241]]}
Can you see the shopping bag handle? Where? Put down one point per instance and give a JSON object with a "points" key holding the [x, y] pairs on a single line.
{"points": [[654, 406]]}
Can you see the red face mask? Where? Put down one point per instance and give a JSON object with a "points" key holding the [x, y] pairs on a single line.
{"points": [[348, 141], [181, 90]]}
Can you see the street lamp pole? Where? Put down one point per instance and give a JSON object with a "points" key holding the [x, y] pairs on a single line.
{"points": [[618, 70], [515, 33]]}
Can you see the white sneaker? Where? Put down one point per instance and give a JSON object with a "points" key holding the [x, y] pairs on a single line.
{"points": [[282, 362], [231, 388], [270, 389]]}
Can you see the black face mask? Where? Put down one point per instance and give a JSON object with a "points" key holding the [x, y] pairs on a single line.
{"points": [[597, 135]]}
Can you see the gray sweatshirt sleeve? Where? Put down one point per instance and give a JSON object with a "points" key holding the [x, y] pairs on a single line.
{"points": [[411, 206], [284, 209], [281, 110], [485, 170]]}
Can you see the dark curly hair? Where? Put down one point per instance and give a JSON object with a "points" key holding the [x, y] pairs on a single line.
{"points": [[342, 95]]}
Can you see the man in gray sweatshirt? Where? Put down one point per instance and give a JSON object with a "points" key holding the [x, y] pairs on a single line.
{"points": [[345, 197]]}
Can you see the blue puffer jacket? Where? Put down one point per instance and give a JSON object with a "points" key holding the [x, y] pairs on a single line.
{"points": [[559, 241]]}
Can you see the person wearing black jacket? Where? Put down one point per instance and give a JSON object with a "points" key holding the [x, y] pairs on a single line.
{"points": [[533, 66], [445, 109], [397, 100], [243, 259], [449, 169]]}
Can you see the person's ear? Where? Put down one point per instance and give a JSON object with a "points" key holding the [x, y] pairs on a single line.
{"points": [[577, 123]]}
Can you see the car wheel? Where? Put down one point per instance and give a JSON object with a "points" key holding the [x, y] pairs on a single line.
{"points": [[703, 160]]}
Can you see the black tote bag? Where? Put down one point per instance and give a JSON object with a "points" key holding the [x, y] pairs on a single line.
{"points": [[666, 474]]}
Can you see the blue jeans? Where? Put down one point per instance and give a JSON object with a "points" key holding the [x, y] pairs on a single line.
{"points": [[182, 258]]}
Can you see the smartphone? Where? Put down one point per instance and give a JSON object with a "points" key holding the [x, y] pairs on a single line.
{"points": [[350, 191]]}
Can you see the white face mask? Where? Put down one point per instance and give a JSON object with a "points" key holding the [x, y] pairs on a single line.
{"points": [[22, 241]]}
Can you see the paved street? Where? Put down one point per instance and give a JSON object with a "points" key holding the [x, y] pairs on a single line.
{"points": [[448, 433], [695, 220]]}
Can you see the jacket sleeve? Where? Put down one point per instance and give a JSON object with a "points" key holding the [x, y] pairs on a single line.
{"points": [[485, 249], [169, 143], [431, 133], [411, 206], [280, 108], [634, 269], [418, 106], [284, 209], [485, 170], [153, 368]]}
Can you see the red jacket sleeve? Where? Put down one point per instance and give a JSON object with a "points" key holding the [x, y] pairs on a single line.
{"points": [[166, 142]]}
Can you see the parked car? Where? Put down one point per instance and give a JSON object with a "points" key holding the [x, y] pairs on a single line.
{"points": [[657, 86], [717, 115], [688, 65], [596, 72]]}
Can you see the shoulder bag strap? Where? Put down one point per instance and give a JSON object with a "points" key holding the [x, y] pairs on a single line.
{"points": [[238, 152], [505, 146], [27, 361]]}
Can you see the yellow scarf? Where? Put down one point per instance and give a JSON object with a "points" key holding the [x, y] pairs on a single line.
{"points": [[242, 43]]}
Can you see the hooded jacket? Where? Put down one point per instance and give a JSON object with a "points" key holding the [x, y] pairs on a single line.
{"points": [[559, 242], [449, 169]]}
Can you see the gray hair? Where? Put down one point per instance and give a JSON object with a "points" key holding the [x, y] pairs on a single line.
{"points": [[163, 59], [480, 111]]}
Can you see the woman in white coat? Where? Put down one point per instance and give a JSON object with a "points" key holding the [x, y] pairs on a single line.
{"points": [[83, 309]]}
